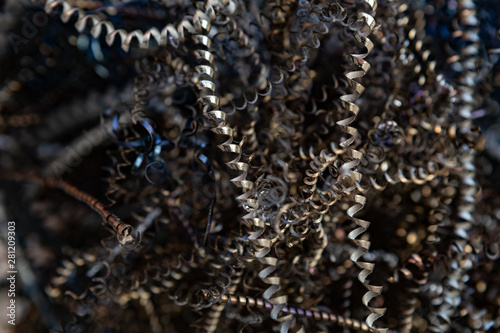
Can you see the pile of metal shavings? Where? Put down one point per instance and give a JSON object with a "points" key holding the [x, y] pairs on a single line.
{"points": [[255, 166]]}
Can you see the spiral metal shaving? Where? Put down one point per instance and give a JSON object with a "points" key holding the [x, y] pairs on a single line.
{"points": [[348, 103], [454, 284], [169, 35], [286, 166]]}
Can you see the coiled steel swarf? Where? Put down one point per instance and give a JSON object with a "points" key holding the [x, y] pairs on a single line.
{"points": [[313, 314], [258, 166], [168, 35], [460, 262], [347, 102]]}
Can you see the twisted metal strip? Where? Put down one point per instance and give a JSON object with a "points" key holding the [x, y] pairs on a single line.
{"points": [[123, 230], [169, 34], [347, 101], [306, 313], [406, 174], [263, 240], [366, 267], [209, 99], [466, 102]]}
